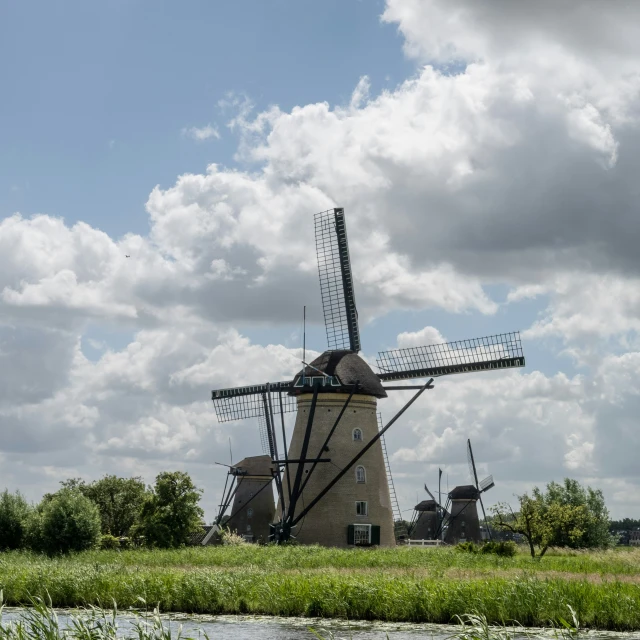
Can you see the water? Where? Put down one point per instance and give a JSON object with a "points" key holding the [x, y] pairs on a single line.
{"points": [[274, 628]]}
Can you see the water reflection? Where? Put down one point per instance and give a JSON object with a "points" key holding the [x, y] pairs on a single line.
{"points": [[273, 628]]}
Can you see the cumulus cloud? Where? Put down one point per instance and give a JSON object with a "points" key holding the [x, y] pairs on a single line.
{"points": [[509, 158]]}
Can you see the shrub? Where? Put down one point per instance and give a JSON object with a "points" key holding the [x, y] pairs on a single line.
{"points": [[14, 512], [231, 538], [109, 542], [69, 522], [466, 547], [507, 548]]}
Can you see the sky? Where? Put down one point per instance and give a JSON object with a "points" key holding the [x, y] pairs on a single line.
{"points": [[486, 155]]}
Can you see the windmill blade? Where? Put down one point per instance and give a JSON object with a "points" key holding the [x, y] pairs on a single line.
{"points": [[239, 403], [472, 465], [431, 494], [336, 282], [502, 351], [484, 516], [486, 484]]}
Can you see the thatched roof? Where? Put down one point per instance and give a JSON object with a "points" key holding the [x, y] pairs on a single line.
{"points": [[426, 505], [464, 492], [254, 466], [349, 367]]}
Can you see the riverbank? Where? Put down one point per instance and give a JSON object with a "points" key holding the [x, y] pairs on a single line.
{"points": [[410, 585]]}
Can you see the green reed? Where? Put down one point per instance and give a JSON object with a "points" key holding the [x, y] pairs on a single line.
{"points": [[414, 585]]}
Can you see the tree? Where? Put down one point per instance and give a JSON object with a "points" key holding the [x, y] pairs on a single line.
{"points": [[14, 511], [69, 521], [171, 513], [567, 515], [596, 529], [119, 500]]}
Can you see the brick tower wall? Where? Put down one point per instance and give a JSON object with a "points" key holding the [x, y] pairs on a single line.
{"points": [[464, 524], [255, 518], [327, 523], [426, 526]]}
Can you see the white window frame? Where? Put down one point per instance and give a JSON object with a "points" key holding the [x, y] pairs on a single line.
{"points": [[359, 508], [353, 434], [361, 534], [363, 475]]}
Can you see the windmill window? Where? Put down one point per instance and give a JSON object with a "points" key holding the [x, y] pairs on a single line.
{"points": [[362, 508], [357, 434], [362, 534], [361, 475], [249, 512]]}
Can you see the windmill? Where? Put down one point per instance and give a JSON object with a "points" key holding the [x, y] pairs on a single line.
{"points": [[428, 515], [481, 487], [251, 491], [331, 482]]}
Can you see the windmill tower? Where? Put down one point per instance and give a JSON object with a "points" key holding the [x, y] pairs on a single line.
{"points": [[251, 491], [463, 524], [426, 522], [331, 482]]}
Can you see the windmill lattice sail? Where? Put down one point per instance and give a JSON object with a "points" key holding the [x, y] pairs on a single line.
{"points": [[247, 402], [502, 351], [336, 282]]}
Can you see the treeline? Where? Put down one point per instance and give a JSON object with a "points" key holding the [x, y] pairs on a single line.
{"points": [[109, 512], [626, 524]]}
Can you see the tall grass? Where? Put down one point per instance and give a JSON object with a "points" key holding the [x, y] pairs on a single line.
{"points": [[413, 585]]}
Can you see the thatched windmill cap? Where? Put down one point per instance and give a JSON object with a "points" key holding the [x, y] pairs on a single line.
{"points": [[426, 505], [349, 367], [464, 492], [254, 466]]}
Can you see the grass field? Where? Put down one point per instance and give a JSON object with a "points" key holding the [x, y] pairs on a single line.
{"points": [[417, 585]]}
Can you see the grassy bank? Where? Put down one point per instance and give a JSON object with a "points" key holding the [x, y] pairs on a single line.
{"points": [[416, 585]]}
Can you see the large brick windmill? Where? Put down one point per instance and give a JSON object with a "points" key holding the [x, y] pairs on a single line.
{"points": [[331, 481]]}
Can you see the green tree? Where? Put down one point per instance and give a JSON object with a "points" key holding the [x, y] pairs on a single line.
{"points": [[69, 521], [171, 512], [539, 523], [596, 527], [14, 511], [567, 515], [119, 500]]}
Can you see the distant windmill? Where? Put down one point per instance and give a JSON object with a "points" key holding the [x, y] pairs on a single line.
{"points": [[331, 482]]}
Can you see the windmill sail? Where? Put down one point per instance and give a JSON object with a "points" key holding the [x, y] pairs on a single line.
{"points": [[239, 403], [502, 351], [336, 282]]}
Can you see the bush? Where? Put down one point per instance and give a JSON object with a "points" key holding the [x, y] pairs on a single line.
{"points": [[69, 522], [14, 512], [109, 542], [466, 547], [506, 549]]}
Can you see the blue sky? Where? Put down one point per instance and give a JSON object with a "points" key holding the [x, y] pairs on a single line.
{"points": [[514, 179], [95, 96]]}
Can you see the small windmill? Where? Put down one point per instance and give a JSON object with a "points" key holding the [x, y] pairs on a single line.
{"points": [[426, 522], [335, 397], [481, 487]]}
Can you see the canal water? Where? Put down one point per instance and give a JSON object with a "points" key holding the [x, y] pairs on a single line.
{"points": [[274, 628]]}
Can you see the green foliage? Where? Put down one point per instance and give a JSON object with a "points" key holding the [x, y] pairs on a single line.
{"points": [[594, 522], [119, 500], [397, 584], [39, 621], [567, 515], [466, 547], [14, 511], [67, 522], [626, 524], [171, 513], [109, 542], [506, 549]]}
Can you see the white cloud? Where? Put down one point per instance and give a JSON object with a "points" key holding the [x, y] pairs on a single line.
{"points": [[201, 133], [519, 169]]}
